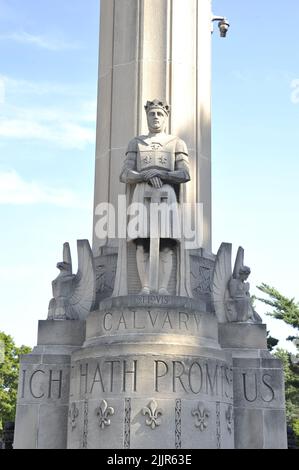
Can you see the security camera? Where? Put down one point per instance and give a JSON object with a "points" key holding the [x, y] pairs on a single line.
{"points": [[223, 26]]}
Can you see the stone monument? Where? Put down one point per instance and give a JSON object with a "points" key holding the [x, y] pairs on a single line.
{"points": [[154, 343]]}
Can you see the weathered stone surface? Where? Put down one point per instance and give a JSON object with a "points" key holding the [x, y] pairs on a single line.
{"points": [[275, 429], [243, 335], [71, 332], [156, 428], [105, 428], [259, 402], [26, 427], [44, 383], [249, 429], [259, 388], [52, 426]]}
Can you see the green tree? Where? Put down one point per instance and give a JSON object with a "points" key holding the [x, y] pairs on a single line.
{"points": [[284, 309], [9, 374], [287, 310]]}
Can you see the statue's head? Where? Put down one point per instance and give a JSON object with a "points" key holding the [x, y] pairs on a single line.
{"points": [[244, 273], [157, 113]]}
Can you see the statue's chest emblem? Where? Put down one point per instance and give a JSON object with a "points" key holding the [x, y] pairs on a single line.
{"points": [[147, 159], [155, 155], [156, 146], [163, 159]]}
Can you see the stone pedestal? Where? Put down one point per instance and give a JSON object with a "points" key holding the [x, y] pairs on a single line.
{"points": [[259, 397], [43, 396], [150, 372]]}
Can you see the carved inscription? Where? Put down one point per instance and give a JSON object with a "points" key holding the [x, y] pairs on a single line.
{"points": [[42, 384], [150, 320], [152, 300], [257, 387], [109, 376], [192, 377], [195, 378]]}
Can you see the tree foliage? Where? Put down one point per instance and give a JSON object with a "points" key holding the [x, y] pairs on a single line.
{"points": [[9, 374], [287, 310], [271, 342], [284, 309]]}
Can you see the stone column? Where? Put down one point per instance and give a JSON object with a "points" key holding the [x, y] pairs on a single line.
{"points": [[154, 49]]}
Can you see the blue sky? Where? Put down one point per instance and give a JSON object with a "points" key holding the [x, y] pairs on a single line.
{"points": [[48, 86]]}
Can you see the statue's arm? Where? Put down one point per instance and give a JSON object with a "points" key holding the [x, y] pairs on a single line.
{"points": [[247, 289], [129, 175], [233, 287], [181, 173]]}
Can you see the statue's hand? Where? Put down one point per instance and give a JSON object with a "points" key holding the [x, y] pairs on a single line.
{"points": [[149, 174], [156, 182]]}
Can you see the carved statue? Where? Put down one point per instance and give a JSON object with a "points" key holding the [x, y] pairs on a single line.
{"points": [[74, 294], [230, 292], [155, 169]]}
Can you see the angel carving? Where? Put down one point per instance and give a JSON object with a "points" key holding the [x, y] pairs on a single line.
{"points": [[230, 291], [74, 294]]}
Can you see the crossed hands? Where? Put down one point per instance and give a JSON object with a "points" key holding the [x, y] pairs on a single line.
{"points": [[154, 177]]}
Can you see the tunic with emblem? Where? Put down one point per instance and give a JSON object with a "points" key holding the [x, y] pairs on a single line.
{"points": [[169, 154]]}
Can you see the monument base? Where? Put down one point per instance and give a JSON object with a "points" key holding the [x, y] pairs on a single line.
{"points": [[152, 372]]}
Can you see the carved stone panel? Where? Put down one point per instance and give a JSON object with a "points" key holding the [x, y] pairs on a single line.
{"points": [[201, 275], [105, 275]]}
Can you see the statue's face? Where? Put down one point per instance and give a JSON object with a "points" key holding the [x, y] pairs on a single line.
{"points": [[244, 276], [156, 119]]}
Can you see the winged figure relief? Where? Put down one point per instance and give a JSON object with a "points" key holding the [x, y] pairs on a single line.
{"points": [[230, 291], [74, 294]]}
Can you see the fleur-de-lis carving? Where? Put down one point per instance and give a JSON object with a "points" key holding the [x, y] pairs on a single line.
{"points": [[103, 412], [147, 159], [163, 159], [73, 415], [153, 413], [229, 415], [202, 416]]}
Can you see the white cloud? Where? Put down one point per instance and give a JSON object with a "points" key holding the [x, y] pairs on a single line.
{"points": [[43, 42], [26, 87], [16, 191], [64, 134], [71, 126]]}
